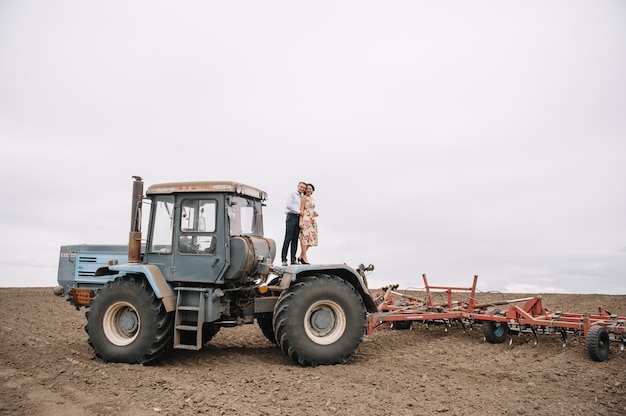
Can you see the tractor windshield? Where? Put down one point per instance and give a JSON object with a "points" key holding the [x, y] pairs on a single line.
{"points": [[162, 224], [245, 216]]}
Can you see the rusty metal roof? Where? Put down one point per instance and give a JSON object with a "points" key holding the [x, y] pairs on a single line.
{"points": [[207, 186]]}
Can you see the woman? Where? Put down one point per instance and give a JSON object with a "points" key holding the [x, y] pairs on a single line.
{"points": [[308, 225]]}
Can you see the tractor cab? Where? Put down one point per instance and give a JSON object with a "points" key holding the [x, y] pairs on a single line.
{"points": [[206, 232]]}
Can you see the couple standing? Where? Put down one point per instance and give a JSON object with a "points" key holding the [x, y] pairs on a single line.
{"points": [[300, 224]]}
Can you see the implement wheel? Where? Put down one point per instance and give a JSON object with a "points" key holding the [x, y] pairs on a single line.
{"points": [[320, 320], [598, 343], [402, 325], [495, 332], [127, 323]]}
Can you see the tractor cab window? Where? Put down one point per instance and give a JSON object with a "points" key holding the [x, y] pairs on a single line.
{"points": [[245, 216], [162, 224], [198, 220], [198, 215]]}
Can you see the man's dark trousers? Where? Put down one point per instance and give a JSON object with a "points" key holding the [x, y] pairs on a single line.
{"points": [[292, 230]]}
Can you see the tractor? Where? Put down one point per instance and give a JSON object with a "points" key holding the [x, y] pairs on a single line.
{"points": [[205, 265]]}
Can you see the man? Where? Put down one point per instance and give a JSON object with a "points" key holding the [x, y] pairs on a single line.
{"points": [[292, 227]]}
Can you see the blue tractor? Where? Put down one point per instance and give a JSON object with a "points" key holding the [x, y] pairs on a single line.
{"points": [[203, 266]]}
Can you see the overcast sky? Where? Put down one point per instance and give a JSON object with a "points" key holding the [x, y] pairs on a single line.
{"points": [[450, 138]]}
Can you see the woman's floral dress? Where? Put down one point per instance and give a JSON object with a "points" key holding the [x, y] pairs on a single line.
{"points": [[308, 231]]}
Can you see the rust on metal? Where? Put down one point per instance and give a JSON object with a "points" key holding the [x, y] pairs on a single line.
{"points": [[531, 317], [82, 297], [134, 238]]}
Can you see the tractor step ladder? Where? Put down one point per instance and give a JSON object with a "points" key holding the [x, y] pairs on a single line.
{"points": [[189, 317]]}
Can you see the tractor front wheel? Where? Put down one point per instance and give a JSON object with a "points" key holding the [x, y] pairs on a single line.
{"points": [[127, 323]]}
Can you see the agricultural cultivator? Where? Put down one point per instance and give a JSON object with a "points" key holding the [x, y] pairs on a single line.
{"points": [[499, 319]]}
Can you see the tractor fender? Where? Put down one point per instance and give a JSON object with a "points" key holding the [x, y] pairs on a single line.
{"points": [[342, 271], [155, 278]]}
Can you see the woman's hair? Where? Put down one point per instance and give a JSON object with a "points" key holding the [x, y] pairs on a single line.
{"points": [[311, 185]]}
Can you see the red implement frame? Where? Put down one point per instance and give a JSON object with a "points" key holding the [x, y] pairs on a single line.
{"points": [[497, 320]]}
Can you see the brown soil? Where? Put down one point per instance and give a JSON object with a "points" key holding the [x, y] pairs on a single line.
{"points": [[47, 368]]}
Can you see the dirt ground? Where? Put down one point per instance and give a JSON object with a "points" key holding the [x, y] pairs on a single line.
{"points": [[47, 368]]}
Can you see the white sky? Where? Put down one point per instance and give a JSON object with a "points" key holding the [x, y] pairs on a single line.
{"points": [[450, 138]]}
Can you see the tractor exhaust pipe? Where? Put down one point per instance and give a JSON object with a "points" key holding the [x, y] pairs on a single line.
{"points": [[134, 238]]}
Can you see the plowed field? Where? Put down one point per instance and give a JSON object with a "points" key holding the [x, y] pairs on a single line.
{"points": [[47, 368]]}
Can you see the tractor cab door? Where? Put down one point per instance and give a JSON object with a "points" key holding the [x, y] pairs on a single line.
{"points": [[186, 237], [199, 243]]}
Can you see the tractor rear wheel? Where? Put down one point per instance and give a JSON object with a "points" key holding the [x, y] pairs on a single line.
{"points": [[127, 323], [209, 330], [320, 320], [598, 343]]}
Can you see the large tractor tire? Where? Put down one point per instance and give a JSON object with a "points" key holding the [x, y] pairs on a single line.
{"points": [[320, 320], [127, 323], [598, 343], [266, 323], [209, 331]]}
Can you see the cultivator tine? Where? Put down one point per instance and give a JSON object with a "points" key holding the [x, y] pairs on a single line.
{"points": [[564, 337]]}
